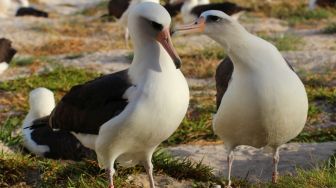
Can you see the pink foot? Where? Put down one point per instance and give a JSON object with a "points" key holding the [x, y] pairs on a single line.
{"points": [[111, 186]]}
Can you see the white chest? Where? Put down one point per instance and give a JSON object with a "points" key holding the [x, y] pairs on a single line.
{"points": [[261, 109]]}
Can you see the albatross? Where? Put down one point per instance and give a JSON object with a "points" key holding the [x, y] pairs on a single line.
{"points": [[263, 103], [7, 53], [124, 116]]}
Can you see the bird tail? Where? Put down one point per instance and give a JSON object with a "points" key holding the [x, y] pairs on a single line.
{"points": [[39, 137]]}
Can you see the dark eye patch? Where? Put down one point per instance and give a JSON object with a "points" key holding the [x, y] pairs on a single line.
{"points": [[157, 26], [212, 18]]}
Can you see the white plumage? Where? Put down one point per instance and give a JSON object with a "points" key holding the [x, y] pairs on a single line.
{"points": [[148, 101], [124, 18], [41, 103], [3, 67], [265, 104]]}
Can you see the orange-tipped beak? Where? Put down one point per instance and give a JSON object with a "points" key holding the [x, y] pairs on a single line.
{"points": [[197, 27], [165, 40]]}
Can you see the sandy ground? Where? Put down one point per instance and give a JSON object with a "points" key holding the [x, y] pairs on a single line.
{"points": [[256, 164]]}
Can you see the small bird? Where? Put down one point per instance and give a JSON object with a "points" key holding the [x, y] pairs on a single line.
{"points": [[31, 11], [125, 115], [7, 53], [263, 103]]}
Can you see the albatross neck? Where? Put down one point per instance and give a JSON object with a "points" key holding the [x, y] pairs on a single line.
{"points": [[149, 55]]}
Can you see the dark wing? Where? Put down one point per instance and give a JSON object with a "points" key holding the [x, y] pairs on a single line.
{"points": [[6, 50], [116, 8], [30, 11], [86, 107], [62, 144], [223, 76], [173, 9], [227, 7]]}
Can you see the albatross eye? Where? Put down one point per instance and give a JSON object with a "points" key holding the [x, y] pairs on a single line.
{"points": [[213, 18], [157, 26]]}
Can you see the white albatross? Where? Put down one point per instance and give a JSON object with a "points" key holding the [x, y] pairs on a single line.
{"points": [[123, 116], [265, 103]]}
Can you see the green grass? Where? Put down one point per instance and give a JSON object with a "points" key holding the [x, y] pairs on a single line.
{"points": [[201, 63], [39, 172], [285, 42], [298, 14], [323, 175], [182, 168], [25, 61], [7, 129], [36, 172], [330, 29], [318, 135], [60, 79], [322, 93], [193, 129]]}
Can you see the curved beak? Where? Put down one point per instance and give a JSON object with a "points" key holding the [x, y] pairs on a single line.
{"points": [[165, 40], [197, 27]]}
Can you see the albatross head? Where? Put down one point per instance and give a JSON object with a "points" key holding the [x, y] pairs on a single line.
{"points": [[150, 22], [217, 25]]}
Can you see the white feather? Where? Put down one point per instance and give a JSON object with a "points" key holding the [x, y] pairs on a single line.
{"points": [[3, 67]]}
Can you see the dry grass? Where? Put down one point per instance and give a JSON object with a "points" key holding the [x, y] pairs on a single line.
{"points": [[59, 46], [201, 63], [77, 36]]}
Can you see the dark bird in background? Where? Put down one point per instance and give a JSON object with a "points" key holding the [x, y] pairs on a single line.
{"points": [[116, 8], [321, 3], [192, 9], [227, 7], [30, 11], [173, 9], [7, 53]]}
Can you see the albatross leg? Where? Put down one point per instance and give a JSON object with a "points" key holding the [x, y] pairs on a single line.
{"points": [[275, 165], [111, 172], [149, 169], [126, 37], [230, 161]]}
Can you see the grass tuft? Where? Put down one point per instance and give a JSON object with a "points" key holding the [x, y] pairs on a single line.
{"points": [[296, 14], [323, 175], [8, 128], [202, 63], [330, 29], [182, 168], [60, 79], [285, 42]]}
